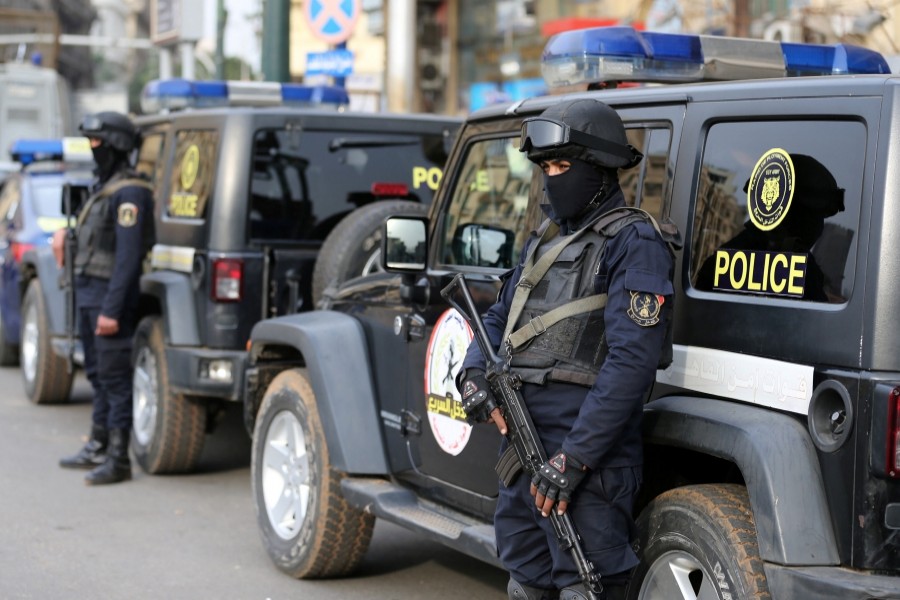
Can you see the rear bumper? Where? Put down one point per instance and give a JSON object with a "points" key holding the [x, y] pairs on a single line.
{"points": [[829, 583], [186, 372]]}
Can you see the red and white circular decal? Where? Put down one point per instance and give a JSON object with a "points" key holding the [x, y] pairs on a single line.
{"points": [[446, 351]]}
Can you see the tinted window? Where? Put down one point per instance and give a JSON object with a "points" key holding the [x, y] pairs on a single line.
{"points": [[304, 181], [192, 173], [490, 200], [777, 209], [148, 161]]}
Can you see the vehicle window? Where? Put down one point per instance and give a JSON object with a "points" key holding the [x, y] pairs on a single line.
{"points": [[777, 209], [148, 161], [304, 181], [9, 199], [192, 173], [46, 199], [645, 185], [484, 225]]}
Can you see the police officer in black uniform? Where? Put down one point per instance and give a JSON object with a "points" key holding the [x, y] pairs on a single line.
{"points": [[113, 233], [585, 377]]}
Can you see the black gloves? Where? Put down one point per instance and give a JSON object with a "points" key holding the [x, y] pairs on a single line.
{"points": [[477, 398], [559, 477]]}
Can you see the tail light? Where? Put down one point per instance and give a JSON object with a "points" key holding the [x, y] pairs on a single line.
{"points": [[383, 188], [18, 250], [228, 280], [893, 435]]}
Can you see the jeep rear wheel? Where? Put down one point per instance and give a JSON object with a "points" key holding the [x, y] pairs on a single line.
{"points": [[699, 542], [168, 430], [45, 375], [353, 248], [307, 527]]}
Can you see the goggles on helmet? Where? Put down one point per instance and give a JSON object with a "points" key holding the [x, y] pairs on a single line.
{"points": [[540, 133], [91, 124]]}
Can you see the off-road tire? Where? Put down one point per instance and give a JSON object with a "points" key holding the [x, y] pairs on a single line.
{"points": [[704, 537], [168, 430], [45, 375], [353, 248], [290, 460]]}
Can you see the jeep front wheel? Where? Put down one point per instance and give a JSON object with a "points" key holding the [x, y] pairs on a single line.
{"points": [[353, 248], [699, 542], [45, 375], [168, 430], [307, 527]]}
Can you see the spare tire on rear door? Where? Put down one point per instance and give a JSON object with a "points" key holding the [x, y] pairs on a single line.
{"points": [[353, 248]]}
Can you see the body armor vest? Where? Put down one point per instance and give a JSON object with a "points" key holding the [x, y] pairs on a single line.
{"points": [[574, 347], [96, 230]]}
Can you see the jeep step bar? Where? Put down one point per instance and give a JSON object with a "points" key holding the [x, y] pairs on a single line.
{"points": [[398, 505]]}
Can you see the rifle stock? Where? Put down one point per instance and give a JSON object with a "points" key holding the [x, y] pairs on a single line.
{"points": [[521, 432]]}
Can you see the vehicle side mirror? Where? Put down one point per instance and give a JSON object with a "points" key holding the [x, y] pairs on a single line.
{"points": [[404, 244], [483, 246], [73, 198]]}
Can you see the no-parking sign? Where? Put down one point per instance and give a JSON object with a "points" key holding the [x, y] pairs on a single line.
{"points": [[332, 21]]}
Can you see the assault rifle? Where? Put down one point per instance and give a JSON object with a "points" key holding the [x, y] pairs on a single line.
{"points": [[521, 433]]}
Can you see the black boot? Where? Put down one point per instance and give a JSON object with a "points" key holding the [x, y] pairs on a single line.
{"points": [[93, 453], [117, 466]]}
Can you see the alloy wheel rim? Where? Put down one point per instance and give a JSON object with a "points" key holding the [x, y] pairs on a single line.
{"points": [[29, 343], [285, 475], [145, 390], [678, 575]]}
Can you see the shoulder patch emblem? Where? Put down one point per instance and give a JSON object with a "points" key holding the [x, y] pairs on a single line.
{"points": [[127, 216], [644, 308]]}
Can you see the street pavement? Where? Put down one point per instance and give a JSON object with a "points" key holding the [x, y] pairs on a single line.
{"points": [[174, 537]]}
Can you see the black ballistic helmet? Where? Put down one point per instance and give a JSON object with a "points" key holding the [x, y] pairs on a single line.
{"points": [[605, 144], [112, 128]]}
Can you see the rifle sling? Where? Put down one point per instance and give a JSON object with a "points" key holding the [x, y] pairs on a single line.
{"points": [[109, 190], [542, 323], [533, 272]]}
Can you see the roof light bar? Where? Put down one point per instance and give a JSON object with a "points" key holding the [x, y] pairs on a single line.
{"points": [[178, 94], [69, 149], [617, 54]]}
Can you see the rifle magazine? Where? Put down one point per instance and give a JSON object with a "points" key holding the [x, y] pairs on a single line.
{"points": [[508, 467]]}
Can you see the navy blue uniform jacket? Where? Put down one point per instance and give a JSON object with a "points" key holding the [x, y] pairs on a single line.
{"points": [[601, 426]]}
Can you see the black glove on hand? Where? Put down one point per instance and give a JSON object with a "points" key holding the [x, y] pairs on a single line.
{"points": [[559, 477], [477, 398]]}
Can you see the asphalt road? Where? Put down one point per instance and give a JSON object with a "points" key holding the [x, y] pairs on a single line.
{"points": [[174, 537]]}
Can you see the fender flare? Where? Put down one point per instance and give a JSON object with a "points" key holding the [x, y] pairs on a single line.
{"points": [[176, 299], [777, 460], [42, 261], [335, 353]]}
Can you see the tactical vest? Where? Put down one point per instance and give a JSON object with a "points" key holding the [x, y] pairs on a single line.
{"points": [[95, 230], [556, 330]]}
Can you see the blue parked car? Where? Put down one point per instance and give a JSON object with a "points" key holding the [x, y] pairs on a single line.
{"points": [[30, 211]]}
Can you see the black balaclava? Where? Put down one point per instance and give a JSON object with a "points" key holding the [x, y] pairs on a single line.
{"points": [[107, 159], [573, 192]]}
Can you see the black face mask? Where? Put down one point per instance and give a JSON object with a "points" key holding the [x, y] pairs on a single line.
{"points": [[107, 160], [571, 192]]}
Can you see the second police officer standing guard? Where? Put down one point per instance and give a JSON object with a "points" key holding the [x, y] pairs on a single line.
{"points": [[586, 376], [113, 233]]}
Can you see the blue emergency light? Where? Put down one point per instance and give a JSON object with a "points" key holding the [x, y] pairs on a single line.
{"points": [[177, 94], [618, 54], [73, 149]]}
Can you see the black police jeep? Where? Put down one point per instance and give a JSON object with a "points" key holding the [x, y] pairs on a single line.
{"points": [[773, 439], [244, 198]]}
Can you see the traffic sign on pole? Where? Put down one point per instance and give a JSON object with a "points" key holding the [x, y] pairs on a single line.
{"points": [[332, 21]]}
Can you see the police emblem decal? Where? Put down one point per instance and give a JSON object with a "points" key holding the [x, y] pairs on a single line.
{"points": [[127, 215], [770, 189], [644, 309]]}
